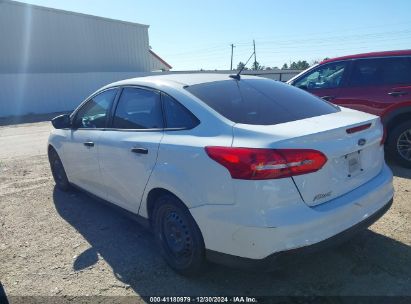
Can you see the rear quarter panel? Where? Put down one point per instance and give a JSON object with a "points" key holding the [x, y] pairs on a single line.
{"points": [[184, 168]]}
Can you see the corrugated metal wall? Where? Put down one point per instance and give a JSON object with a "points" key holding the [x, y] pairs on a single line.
{"points": [[50, 60], [42, 40], [22, 94]]}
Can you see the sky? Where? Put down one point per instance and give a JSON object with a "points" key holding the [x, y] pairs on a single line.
{"points": [[192, 34]]}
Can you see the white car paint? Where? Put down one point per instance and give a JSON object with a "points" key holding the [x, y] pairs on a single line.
{"points": [[246, 218]]}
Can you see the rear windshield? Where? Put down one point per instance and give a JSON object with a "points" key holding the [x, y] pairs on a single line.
{"points": [[260, 101]]}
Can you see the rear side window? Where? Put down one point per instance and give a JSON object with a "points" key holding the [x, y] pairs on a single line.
{"points": [[177, 116], [260, 101], [138, 109], [381, 71]]}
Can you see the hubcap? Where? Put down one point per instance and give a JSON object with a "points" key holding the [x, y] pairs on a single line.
{"points": [[404, 145], [177, 236]]}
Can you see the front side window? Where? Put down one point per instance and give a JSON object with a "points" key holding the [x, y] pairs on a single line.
{"points": [[93, 113], [324, 77], [260, 101], [177, 116], [381, 71], [138, 109]]}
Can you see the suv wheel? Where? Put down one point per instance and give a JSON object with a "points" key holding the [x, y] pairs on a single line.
{"points": [[178, 236], [399, 144]]}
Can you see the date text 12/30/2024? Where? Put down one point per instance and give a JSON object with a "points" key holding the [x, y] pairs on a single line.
{"points": [[203, 300]]}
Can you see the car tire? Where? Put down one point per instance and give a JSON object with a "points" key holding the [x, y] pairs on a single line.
{"points": [[399, 144], [178, 236], [59, 174]]}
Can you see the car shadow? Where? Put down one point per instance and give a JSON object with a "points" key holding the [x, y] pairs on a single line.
{"points": [[3, 296], [370, 264], [398, 170]]}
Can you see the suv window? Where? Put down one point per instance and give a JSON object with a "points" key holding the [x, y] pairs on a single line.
{"points": [[323, 77], [138, 109], [177, 116], [260, 101], [94, 112], [381, 71]]}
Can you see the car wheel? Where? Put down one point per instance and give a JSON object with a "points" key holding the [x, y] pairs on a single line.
{"points": [[399, 144], [59, 174], [178, 236]]}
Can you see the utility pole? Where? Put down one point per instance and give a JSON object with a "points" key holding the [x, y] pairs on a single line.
{"points": [[232, 51], [255, 56]]}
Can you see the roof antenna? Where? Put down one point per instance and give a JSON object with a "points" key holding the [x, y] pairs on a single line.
{"points": [[237, 76]]}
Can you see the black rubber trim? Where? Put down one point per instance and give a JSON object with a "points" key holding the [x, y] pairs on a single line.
{"points": [[273, 260]]}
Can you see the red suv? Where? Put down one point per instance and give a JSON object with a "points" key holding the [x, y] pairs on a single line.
{"points": [[377, 83]]}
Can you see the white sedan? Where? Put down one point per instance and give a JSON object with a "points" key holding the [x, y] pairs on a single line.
{"points": [[237, 170]]}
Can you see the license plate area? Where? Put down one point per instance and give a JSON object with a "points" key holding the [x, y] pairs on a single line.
{"points": [[354, 163]]}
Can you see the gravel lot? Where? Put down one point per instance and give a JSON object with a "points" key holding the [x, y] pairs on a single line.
{"points": [[54, 243]]}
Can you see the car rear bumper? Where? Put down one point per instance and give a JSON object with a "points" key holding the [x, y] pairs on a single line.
{"points": [[275, 259], [288, 228]]}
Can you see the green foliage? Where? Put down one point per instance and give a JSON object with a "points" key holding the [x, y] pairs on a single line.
{"points": [[256, 66], [299, 65], [241, 65]]}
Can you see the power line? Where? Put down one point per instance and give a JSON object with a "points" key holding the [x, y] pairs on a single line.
{"points": [[297, 43], [327, 32]]}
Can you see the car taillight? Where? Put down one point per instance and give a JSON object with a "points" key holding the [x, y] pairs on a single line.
{"points": [[257, 164]]}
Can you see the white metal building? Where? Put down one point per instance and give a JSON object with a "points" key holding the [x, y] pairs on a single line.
{"points": [[157, 63], [52, 59]]}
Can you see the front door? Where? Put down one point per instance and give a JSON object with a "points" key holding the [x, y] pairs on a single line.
{"points": [[325, 81], [128, 149], [81, 148]]}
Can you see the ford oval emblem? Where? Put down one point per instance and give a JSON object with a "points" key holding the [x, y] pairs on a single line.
{"points": [[361, 142]]}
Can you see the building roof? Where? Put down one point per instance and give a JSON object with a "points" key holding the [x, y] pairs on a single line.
{"points": [[372, 54], [59, 11]]}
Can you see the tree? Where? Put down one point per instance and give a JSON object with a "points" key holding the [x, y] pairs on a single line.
{"points": [[256, 66], [241, 65], [299, 65]]}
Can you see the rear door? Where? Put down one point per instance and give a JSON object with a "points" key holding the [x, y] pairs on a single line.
{"points": [[324, 81], [128, 149], [80, 151], [376, 84]]}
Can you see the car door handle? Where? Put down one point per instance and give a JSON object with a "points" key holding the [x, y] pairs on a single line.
{"points": [[397, 93], [89, 144], [328, 98], [139, 150]]}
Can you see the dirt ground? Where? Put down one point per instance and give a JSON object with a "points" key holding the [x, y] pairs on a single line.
{"points": [[54, 243]]}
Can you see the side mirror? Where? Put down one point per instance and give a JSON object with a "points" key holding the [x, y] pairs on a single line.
{"points": [[61, 121]]}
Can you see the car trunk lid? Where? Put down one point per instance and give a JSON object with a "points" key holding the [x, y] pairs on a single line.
{"points": [[350, 140]]}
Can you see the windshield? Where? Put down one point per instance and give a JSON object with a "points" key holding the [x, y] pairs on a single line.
{"points": [[260, 101]]}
